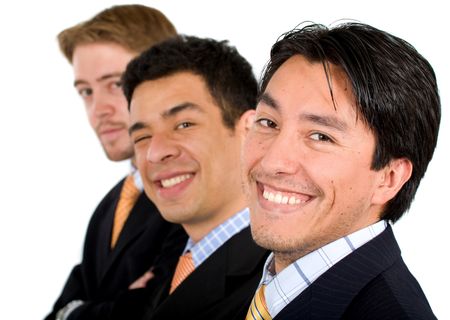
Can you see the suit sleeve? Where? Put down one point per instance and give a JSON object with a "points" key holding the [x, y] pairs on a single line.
{"points": [[75, 287], [73, 290], [133, 304]]}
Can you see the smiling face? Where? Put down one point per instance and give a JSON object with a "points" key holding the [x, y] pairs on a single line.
{"points": [[188, 159], [307, 163], [98, 68]]}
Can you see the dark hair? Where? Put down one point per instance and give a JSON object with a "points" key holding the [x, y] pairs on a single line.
{"points": [[134, 27], [227, 74], [395, 92]]}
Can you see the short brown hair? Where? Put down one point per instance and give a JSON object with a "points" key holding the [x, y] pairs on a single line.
{"points": [[135, 27]]}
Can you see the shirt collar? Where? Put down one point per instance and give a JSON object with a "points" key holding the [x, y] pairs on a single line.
{"points": [[285, 286], [137, 178], [217, 237]]}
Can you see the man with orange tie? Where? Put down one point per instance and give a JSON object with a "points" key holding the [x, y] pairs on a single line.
{"points": [[126, 231], [191, 101], [346, 124]]}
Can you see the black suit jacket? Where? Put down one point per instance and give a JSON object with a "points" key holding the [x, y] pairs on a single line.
{"points": [[373, 282], [104, 272], [222, 287]]}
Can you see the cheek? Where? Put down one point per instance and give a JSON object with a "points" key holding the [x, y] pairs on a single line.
{"points": [[93, 121], [331, 173], [141, 157], [253, 150], [124, 114], [140, 160]]}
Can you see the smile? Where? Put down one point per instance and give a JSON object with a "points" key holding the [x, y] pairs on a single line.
{"points": [[283, 197], [279, 198], [168, 183]]}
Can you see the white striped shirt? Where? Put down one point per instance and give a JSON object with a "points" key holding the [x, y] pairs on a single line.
{"points": [[285, 286]]}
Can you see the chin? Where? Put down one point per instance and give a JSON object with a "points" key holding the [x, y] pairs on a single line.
{"points": [[266, 237], [172, 214], [119, 156]]}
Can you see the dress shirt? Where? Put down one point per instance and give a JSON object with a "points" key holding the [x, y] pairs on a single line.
{"points": [[137, 178], [285, 286], [217, 237]]}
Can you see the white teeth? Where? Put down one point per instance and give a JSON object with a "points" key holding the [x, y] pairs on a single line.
{"points": [[292, 200], [167, 183], [279, 198]]}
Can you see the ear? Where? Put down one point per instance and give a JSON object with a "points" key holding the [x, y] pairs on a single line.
{"points": [[246, 121], [392, 179]]}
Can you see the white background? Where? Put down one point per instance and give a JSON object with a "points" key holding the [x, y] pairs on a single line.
{"points": [[53, 172]]}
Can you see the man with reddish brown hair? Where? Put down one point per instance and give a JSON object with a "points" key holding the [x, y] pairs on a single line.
{"points": [[125, 234]]}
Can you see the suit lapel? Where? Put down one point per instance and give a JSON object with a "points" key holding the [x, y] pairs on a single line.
{"points": [[133, 227], [212, 280], [329, 296], [206, 283], [103, 251]]}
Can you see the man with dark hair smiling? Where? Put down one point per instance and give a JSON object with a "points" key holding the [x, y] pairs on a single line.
{"points": [[191, 100], [346, 124]]}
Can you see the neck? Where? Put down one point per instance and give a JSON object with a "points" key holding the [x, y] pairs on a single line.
{"points": [[282, 259], [197, 230], [285, 258]]}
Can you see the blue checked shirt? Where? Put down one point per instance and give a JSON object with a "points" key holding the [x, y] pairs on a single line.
{"points": [[137, 178], [285, 286], [217, 237]]}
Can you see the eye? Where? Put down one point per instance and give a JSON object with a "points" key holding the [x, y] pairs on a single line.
{"points": [[141, 138], [115, 87], [263, 122], [117, 84], [184, 125], [320, 137], [85, 92]]}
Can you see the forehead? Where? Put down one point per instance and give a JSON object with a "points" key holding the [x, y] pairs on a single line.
{"points": [[163, 94], [304, 86], [99, 58]]}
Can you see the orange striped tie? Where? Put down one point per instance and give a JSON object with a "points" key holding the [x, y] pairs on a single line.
{"points": [[128, 197], [258, 308], [184, 268]]}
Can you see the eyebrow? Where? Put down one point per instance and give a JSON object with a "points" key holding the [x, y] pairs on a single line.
{"points": [[102, 78], [172, 112], [327, 121], [268, 100], [136, 126]]}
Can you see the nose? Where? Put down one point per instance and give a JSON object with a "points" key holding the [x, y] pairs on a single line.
{"points": [[282, 154], [162, 149], [102, 105]]}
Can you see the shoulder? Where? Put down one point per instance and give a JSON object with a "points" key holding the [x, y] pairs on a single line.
{"points": [[113, 194], [242, 246], [106, 207], [393, 294]]}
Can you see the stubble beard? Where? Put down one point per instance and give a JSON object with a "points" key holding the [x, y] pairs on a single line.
{"points": [[286, 251]]}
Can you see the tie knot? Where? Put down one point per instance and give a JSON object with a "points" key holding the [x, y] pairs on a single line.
{"points": [[187, 257], [128, 197], [129, 189], [184, 268], [258, 309]]}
